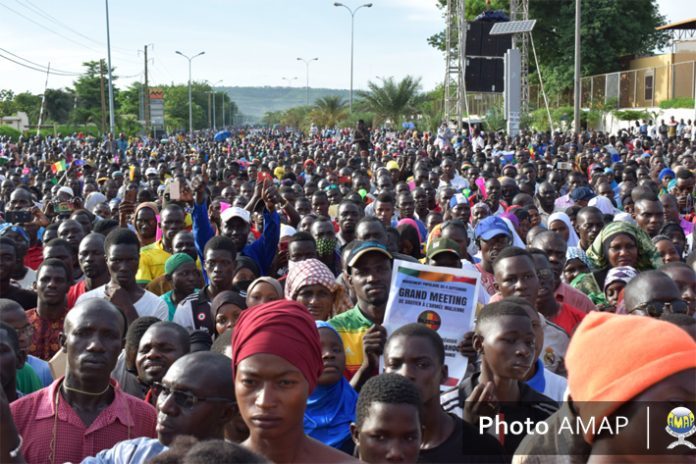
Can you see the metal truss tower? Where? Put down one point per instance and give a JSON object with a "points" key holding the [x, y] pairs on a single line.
{"points": [[455, 62], [519, 10]]}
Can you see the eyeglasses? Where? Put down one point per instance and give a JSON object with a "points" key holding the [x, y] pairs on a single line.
{"points": [[27, 330], [545, 274], [656, 308], [185, 399]]}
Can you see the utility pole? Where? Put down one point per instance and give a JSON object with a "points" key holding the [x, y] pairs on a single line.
{"points": [[146, 98], [112, 124], [209, 120], [223, 111], [103, 100], [43, 100], [576, 99]]}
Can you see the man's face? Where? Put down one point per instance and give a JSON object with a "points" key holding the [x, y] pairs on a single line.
{"points": [[589, 225], [320, 205], [371, 232], [301, 250], [370, 278], [389, 433], [421, 199], [462, 212], [546, 279], [122, 262], [172, 221], [650, 216], [60, 252], [670, 208], [220, 266], [516, 276], [9, 360], [407, 206], [555, 248], [546, 194], [685, 279], [384, 212], [238, 230], [447, 167], [146, 223], [72, 232], [323, 230], [491, 248], [385, 184], [52, 285], [348, 216], [508, 190], [493, 190], [92, 343], [158, 349], [17, 319], [200, 419], [508, 345], [605, 190], [557, 179], [184, 243], [683, 190]]}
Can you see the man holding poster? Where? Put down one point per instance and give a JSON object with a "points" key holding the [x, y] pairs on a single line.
{"points": [[441, 298]]}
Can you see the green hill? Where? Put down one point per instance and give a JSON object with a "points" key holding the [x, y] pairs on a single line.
{"points": [[256, 101]]}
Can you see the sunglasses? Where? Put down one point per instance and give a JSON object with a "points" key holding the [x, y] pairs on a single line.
{"points": [[656, 308], [184, 399]]}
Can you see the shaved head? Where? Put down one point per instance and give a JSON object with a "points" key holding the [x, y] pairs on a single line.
{"points": [[94, 305]]}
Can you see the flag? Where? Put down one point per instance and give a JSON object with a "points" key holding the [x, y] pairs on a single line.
{"points": [[58, 167]]}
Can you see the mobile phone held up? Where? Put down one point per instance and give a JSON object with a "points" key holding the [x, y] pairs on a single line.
{"points": [[62, 207], [21, 216]]}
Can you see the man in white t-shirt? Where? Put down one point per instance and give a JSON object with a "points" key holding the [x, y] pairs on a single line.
{"points": [[122, 250]]}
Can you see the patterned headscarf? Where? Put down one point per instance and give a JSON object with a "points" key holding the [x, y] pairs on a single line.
{"points": [[477, 206], [578, 253], [622, 273], [314, 272], [648, 257]]}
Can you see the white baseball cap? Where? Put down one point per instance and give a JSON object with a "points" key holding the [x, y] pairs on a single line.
{"points": [[235, 211]]}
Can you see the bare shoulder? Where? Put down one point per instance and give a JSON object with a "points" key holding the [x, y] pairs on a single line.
{"points": [[316, 451]]}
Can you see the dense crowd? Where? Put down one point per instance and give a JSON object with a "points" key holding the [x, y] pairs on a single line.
{"points": [[221, 297]]}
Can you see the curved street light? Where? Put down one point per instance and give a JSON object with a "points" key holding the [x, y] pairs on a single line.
{"points": [[306, 62], [189, 87], [352, 34]]}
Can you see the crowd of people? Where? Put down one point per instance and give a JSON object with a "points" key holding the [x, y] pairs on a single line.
{"points": [[195, 300]]}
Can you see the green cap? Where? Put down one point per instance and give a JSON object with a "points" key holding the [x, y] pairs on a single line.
{"points": [[176, 260], [442, 245]]}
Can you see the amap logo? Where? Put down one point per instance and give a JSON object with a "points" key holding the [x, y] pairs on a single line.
{"points": [[680, 424]]}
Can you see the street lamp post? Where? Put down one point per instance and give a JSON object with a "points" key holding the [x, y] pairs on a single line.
{"points": [[352, 34], [306, 62], [289, 80], [111, 83], [189, 88], [214, 96]]}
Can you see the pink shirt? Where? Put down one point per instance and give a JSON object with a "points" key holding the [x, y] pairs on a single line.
{"points": [[34, 415]]}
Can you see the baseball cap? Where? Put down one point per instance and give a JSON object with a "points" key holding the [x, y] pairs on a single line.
{"points": [[152, 171], [235, 211], [581, 193], [458, 199], [366, 247], [490, 227], [442, 245], [392, 165]]}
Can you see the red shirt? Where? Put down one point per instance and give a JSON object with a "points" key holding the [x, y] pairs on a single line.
{"points": [[487, 279], [35, 417], [34, 257], [75, 292], [568, 318], [45, 341]]}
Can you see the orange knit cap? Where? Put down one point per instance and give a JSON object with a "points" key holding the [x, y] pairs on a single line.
{"points": [[613, 358]]}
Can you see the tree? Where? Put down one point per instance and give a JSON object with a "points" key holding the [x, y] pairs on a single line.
{"points": [[329, 111], [58, 105], [610, 30], [391, 101], [88, 93], [296, 117], [30, 104]]}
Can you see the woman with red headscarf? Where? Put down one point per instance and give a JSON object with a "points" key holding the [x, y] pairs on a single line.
{"points": [[276, 356]]}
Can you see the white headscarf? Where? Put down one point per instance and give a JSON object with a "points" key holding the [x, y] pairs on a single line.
{"points": [[573, 239], [93, 199], [603, 204], [516, 240]]}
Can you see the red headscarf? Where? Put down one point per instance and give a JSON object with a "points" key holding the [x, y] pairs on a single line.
{"points": [[283, 328]]}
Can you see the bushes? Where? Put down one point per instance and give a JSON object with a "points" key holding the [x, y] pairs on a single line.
{"points": [[681, 102], [13, 133]]}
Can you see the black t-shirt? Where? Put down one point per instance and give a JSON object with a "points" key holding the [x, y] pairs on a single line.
{"points": [[465, 445], [26, 298]]}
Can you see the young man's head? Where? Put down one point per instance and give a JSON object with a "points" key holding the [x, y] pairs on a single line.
{"points": [[505, 340], [369, 274], [91, 256], [122, 249], [12, 314], [11, 359], [180, 269], [651, 293], [172, 220], [443, 252], [161, 344], [515, 274], [387, 425], [62, 250], [220, 261], [53, 280], [685, 278], [302, 246], [417, 353]]}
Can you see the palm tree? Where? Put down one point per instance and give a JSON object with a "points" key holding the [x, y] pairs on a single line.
{"points": [[392, 101], [329, 111]]}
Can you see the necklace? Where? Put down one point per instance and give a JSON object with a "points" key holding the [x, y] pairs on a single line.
{"points": [[83, 392]]}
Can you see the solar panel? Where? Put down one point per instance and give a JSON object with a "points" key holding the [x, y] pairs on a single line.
{"points": [[513, 27]]}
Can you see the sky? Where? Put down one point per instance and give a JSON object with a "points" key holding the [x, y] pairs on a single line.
{"points": [[246, 42]]}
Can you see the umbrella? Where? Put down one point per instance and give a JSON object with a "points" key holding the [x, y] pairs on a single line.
{"points": [[222, 135]]}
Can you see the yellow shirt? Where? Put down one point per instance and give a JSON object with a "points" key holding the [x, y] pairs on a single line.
{"points": [[152, 259]]}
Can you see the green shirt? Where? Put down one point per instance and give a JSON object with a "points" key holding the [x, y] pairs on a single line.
{"points": [[27, 380]]}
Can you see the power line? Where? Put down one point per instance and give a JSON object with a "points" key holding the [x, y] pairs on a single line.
{"points": [[29, 5], [33, 68], [53, 71], [43, 26]]}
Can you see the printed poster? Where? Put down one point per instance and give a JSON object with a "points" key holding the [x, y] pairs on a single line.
{"points": [[443, 299]]}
